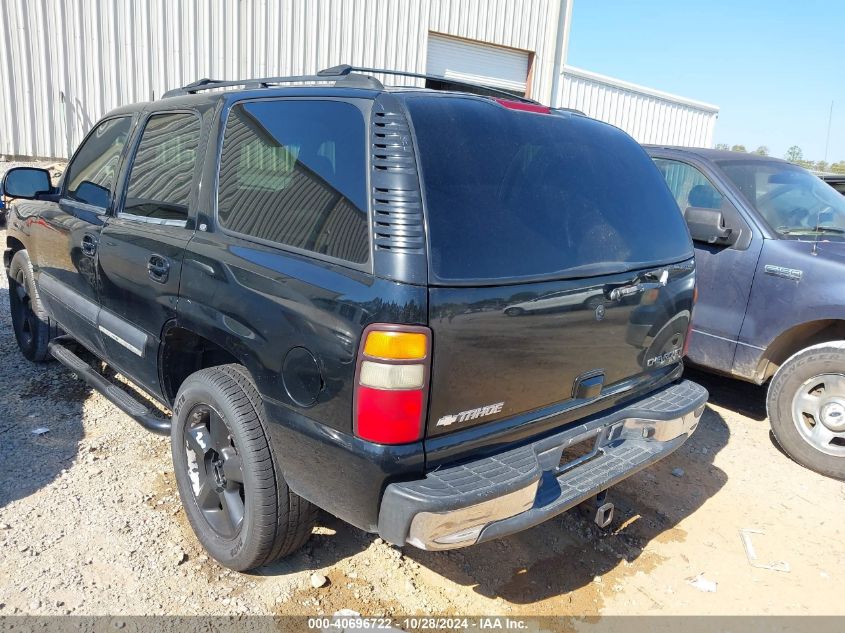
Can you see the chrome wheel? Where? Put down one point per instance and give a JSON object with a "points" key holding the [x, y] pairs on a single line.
{"points": [[215, 470], [818, 410]]}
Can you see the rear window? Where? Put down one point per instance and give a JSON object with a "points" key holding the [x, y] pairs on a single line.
{"points": [[518, 195]]}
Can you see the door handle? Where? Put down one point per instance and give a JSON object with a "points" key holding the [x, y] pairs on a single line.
{"points": [[158, 268], [89, 244]]}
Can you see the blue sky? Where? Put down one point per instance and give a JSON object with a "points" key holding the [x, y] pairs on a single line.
{"points": [[773, 67]]}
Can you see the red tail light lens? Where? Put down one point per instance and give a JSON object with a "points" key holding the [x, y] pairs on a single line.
{"points": [[525, 107], [391, 383]]}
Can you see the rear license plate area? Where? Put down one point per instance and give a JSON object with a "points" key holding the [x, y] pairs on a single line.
{"points": [[579, 453]]}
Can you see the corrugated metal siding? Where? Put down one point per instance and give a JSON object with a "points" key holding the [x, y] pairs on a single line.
{"points": [[647, 115], [65, 63]]}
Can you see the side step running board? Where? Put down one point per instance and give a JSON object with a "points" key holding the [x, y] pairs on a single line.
{"points": [[141, 413]]}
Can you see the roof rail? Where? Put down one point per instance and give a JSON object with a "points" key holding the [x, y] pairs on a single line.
{"points": [[345, 73], [350, 80], [345, 70]]}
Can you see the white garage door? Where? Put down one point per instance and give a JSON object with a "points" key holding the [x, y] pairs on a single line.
{"points": [[476, 62]]}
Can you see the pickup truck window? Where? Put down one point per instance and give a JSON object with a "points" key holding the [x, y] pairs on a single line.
{"points": [[794, 202], [294, 173], [92, 173], [162, 173], [690, 187]]}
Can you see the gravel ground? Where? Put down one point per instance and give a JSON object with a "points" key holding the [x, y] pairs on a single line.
{"points": [[90, 523]]}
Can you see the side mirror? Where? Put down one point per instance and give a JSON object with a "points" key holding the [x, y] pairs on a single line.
{"points": [[26, 182], [708, 225]]}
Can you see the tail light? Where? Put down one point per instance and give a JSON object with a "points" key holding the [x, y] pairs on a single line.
{"points": [[689, 327], [391, 383]]}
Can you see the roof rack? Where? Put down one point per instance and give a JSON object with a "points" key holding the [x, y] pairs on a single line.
{"points": [[350, 80], [346, 70], [349, 76]]}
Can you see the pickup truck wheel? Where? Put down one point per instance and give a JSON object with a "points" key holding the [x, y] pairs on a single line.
{"points": [[806, 406], [33, 327], [231, 486]]}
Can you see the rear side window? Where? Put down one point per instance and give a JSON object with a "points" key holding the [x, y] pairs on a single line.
{"points": [[92, 173], [163, 170], [294, 173], [690, 187], [513, 194]]}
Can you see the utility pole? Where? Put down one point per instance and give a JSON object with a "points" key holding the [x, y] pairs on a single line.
{"points": [[827, 140]]}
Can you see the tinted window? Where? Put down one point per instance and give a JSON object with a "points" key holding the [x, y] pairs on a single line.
{"points": [[519, 194], [690, 187], [163, 169], [92, 173], [294, 173]]}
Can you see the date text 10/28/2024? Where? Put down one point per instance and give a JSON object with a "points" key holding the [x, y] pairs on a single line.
{"points": [[340, 623]]}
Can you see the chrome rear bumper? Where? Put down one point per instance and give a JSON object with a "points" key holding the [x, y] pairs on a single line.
{"points": [[516, 489]]}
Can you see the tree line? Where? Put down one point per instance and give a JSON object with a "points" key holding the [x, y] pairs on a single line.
{"points": [[794, 155]]}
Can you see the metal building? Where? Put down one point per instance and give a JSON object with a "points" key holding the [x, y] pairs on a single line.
{"points": [[650, 116], [64, 63]]}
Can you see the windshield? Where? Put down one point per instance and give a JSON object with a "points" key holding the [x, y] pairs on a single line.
{"points": [[794, 202], [513, 194]]}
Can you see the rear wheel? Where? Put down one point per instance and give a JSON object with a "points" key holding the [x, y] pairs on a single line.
{"points": [[32, 326], [232, 489], [806, 406]]}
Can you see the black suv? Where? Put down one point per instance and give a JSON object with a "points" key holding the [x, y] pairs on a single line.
{"points": [[317, 280]]}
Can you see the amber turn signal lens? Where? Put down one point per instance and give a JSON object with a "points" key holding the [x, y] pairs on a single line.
{"points": [[396, 345]]}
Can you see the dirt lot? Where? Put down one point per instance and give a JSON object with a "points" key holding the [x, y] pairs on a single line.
{"points": [[90, 523]]}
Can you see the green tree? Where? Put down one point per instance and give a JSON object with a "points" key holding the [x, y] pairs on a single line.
{"points": [[821, 165], [838, 168], [738, 148], [762, 150], [794, 154], [722, 146]]}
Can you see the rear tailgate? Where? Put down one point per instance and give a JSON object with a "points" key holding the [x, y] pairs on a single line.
{"points": [[503, 351], [560, 268]]}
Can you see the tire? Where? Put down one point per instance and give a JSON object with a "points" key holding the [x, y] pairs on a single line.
{"points": [[594, 302], [514, 311], [219, 436], [33, 327], [806, 407]]}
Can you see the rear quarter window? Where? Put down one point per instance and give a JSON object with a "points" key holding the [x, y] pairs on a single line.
{"points": [[513, 194], [293, 172]]}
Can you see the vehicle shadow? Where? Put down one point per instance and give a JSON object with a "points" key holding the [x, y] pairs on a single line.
{"points": [[331, 542], [742, 397], [569, 551], [36, 397]]}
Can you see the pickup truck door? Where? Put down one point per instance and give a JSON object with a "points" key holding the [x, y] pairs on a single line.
{"points": [[142, 243], [65, 233], [723, 273]]}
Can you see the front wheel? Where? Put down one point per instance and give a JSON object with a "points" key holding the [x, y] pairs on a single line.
{"points": [[806, 407], [231, 487], [33, 328]]}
